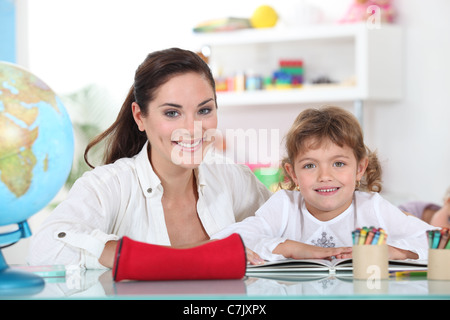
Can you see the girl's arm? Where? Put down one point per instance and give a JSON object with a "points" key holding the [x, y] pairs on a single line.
{"points": [[400, 254], [297, 250], [262, 232], [407, 237]]}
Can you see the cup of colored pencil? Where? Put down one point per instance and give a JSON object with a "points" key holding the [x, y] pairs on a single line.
{"points": [[370, 253], [438, 254], [369, 235]]}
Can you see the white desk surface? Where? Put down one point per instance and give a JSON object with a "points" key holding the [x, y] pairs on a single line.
{"points": [[98, 284]]}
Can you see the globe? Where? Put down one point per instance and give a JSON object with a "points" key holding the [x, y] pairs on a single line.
{"points": [[36, 153], [36, 144]]}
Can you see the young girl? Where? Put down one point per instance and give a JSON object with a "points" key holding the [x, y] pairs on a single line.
{"points": [[334, 185]]}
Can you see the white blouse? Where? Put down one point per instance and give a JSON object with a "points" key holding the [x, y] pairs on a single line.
{"points": [[124, 198], [284, 216]]}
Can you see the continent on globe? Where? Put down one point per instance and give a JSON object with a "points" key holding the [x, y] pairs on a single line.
{"points": [[36, 143], [16, 167], [15, 119]]}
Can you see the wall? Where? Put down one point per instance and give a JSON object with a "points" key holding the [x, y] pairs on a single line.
{"points": [[413, 135], [74, 43]]}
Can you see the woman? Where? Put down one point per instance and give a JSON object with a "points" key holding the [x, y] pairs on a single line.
{"points": [[156, 185]]}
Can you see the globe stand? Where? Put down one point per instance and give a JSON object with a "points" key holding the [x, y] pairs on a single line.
{"points": [[17, 282]]}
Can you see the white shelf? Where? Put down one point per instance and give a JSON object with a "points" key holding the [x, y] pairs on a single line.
{"points": [[307, 94], [375, 61], [274, 35]]}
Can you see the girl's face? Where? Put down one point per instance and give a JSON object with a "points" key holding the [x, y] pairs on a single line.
{"points": [[178, 121], [327, 177]]}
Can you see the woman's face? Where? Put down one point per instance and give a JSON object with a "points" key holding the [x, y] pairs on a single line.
{"points": [[180, 121]]}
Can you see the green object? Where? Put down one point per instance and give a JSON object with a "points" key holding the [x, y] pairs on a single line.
{"points": [[292, 70], [269, 176]]}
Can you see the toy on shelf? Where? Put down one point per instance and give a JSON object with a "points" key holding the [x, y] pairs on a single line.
{"points": [[356, 12], [263, 17], [289, 75], [362, 10], [239, 82], [387, 11], [225, 24]]}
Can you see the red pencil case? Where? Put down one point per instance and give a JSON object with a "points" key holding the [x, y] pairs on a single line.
{"points": [[219, 259]]}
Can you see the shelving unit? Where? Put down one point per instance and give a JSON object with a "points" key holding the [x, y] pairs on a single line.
{"points": [[371, 57]]}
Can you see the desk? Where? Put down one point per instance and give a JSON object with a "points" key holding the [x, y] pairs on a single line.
{"points": [[98, 284]]}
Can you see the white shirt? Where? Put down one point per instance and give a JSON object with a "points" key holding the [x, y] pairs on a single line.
{"points": [[284, 216], [124, 198]]}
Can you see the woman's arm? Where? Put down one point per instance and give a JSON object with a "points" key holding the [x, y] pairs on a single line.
{"points": [[77, 230], [107, 257]]}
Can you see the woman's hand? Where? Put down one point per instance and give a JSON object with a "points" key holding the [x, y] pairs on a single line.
{"points": [[253, 257], [107, 257]]}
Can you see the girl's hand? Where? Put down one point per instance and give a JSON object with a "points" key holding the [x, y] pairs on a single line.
{"points": [[298, 250], [400, 254], [253, 257], [343, 253], [329, 253]]}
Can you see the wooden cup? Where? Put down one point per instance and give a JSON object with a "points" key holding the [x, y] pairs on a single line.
{"points": [[438, 264], [370, 262]]}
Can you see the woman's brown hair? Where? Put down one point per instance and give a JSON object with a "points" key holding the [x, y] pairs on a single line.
{"points": [[123, 138], [313, 126]]}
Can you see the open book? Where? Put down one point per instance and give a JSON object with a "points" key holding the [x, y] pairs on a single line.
{"points": [[318, 266]]}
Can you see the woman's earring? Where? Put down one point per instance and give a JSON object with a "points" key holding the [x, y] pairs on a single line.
{"points": [[358, 184], [297, 187]]}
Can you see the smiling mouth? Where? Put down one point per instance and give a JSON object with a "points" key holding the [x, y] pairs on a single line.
{"points": [[188, 145], [327, 190]]}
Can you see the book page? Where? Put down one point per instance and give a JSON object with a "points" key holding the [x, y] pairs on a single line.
{"points": [[290, 264], [293, 263]]}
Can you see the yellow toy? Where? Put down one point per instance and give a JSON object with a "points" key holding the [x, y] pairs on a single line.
{"points": [[264, 17]]}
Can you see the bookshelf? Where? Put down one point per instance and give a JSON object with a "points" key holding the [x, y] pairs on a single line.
{"points": [[364, 62]]}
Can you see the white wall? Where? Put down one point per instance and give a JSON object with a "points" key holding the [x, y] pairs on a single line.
{"points": [[413, 135], [74, 43]]}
